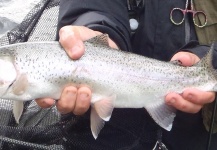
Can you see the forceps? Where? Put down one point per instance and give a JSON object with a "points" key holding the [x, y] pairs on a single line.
{"points": [[183, 12]]}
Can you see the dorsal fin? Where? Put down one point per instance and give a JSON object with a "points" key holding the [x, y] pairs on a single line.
{"points": [[100, 39]]}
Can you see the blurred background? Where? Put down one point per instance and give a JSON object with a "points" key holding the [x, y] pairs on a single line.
{"points": [[12, 13]]}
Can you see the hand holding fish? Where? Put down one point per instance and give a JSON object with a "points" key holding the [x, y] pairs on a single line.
{"points": [[191, 100], [77, 99], [73, 99], [133, 85]]}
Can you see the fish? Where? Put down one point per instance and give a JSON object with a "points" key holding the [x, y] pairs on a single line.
{"points": [[117, 79]]}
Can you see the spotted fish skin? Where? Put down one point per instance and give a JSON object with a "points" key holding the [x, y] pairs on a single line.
{"points": [[117, 79]]}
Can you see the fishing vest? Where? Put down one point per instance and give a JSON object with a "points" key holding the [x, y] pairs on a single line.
{"points": [[207, 35]]}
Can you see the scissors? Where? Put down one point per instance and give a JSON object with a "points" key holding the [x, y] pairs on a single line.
{"points": [[186, 10]]}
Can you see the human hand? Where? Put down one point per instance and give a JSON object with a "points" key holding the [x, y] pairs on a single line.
{"points": [[191, 100], [74, 99]]}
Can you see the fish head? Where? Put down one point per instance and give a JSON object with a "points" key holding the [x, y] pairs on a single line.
{"points": [[8, 74]]}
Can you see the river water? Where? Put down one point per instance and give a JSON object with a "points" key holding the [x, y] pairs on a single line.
{"points": [[12, 12]]}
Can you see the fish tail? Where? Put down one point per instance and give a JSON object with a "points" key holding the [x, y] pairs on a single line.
{"points": [[207, 62]]}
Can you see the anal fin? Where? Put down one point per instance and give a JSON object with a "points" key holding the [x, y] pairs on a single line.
{"points": [[162, 114]]}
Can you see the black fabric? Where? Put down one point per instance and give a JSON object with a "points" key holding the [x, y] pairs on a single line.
{"points": [[127, 129], [160, 37], [101, 23], [156, 37], [105, 18]]}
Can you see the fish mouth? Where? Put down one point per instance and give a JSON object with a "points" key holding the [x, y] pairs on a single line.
{"points": [[8, 73]]}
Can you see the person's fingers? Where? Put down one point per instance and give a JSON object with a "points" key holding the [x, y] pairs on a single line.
{"points": [[81, 32], [85, 34], [112, 44], [198, 97], [191, 100], [178, 102], [186, 58], [66, 103], [45, 102], [72, 37], [74, 100], [83, 101], [72, 43]]}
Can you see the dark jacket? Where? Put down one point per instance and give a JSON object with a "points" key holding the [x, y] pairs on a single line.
{"points": [[156, 37]]}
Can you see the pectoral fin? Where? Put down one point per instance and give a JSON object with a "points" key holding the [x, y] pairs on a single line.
{"points": [[17, 110], [20, 85], [101, 111]]}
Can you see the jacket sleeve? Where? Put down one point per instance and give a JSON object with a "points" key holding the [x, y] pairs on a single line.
{"points": [[106, 16]]}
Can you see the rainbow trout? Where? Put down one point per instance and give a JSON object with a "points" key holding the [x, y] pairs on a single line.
{"points": [[117, 79]]}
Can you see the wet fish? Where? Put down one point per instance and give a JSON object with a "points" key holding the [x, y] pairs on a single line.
{"points": [[118, 79]]}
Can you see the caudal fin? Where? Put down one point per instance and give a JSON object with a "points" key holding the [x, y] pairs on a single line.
{"points": [[207, 60], [207, 63]]}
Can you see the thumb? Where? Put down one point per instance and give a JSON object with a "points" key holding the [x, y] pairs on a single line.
{"points": [[72, 37], [186, 58]]}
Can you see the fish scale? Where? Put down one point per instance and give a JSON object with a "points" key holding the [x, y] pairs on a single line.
{"points": [[117, 79]]}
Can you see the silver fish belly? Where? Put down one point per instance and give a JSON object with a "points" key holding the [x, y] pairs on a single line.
{"points": [[117, 79]]}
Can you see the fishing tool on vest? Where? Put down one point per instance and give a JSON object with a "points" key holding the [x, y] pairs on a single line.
{"points": [[177, 13]]}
